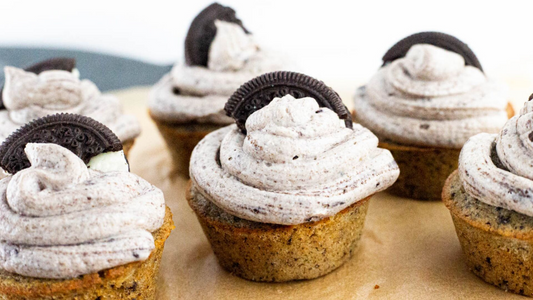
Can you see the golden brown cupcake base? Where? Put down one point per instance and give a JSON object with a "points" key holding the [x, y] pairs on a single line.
{"points": [[132, 281], [278, 253], [423, 170], [497, 243], [181, 140]]}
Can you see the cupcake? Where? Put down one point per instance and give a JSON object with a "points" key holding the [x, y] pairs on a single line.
{"points": [[220, 55], [282, 195], [53, 86], [74, 223], [427, 99], [490, 198]]}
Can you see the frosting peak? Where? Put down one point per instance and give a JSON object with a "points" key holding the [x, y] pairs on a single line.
{"points": [[231, 48], [431, 71], [292, 129], [297, 163], [432, 63], [431, 98], [59, 210]]}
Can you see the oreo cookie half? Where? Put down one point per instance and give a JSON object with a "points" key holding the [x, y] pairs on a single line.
{"points": [[83, 136], [57, 63], [438, 39], [203, 30], [260, 91]]}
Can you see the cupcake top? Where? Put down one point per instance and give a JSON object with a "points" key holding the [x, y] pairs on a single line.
{"points": [[28, 95], [297, 161], [70, 206], [221, 54], [497, 168], [431, 91]]}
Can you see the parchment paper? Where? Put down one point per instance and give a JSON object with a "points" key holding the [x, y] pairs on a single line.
{"points": [[409, 249]]}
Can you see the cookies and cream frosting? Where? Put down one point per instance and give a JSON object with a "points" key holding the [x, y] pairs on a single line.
{"points": [[497, 169], [196, 93], [431, 98], [297, 163], [28, 96], [61, 219]]}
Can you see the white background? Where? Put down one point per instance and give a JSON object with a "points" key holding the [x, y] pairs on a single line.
{"points": [[340, 42]]}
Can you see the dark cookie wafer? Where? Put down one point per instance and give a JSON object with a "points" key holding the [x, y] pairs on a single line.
{"points": [[57, 63], [203, 30], [438, 39], [83, 136], [260, 91]]}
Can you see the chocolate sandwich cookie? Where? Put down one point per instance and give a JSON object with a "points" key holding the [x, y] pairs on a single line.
{"points": [[57, 63], [260, 91], [438, 39], [82, 135], [203, 30]]}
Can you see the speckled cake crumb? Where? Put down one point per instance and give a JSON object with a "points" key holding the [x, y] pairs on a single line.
{"points": [[277, 253], [497, 243]]}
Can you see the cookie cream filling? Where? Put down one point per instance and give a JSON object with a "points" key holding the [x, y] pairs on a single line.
{"points": [[497, 169], [28, 96], [59, 219], [430, 98], [109, 161], [297, 163], [196, 93]]}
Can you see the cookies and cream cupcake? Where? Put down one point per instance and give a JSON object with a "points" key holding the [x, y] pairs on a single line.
{"points": [[220, 55], [74, 222], [427, 99], [53, 86], [283, 194], [490, 198]]}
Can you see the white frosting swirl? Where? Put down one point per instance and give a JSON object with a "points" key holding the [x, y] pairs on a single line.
{"points": [[430, 98], [231, 48], [28, 96], [509, 185], [59, 219], [234, 58], [298, 163]]}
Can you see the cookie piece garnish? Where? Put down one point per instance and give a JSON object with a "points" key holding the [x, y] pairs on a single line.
{"points": [[260, 91], [83, 136], [438, 39], [203, 30], [57, 63]]}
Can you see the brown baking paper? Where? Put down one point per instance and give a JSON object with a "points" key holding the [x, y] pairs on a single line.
{"points": [[409, 249]]}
